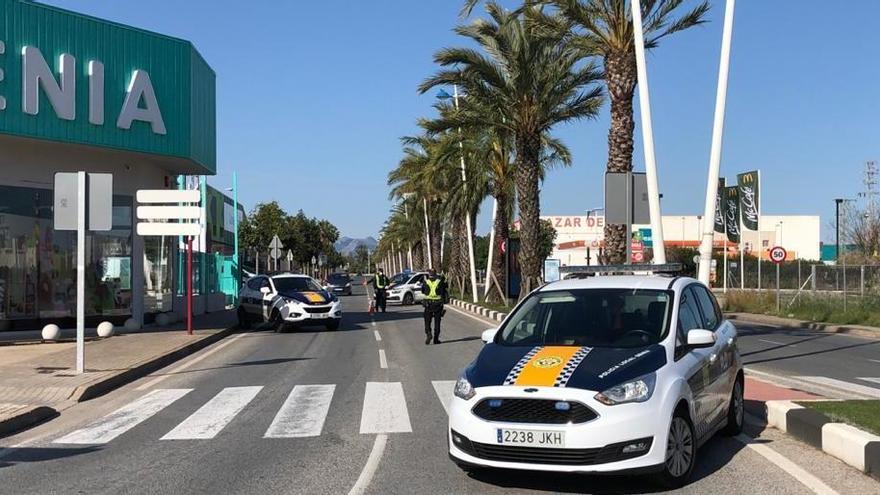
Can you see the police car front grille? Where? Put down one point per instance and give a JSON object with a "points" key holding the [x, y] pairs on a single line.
{"points": [[538, 411], [317, 310]]}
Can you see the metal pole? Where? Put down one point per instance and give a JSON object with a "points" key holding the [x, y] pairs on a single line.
{"points": [[725, 255], [467, 219], [491, 249], [715, 154], [409, 258], [760, 244], [81, 272], [235, 236], [629, 216], [837, 229], [777, 288], [428, 235], [648, 138], [189, 284], [742, 256]]}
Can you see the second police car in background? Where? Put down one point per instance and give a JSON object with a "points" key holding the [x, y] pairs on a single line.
{"points": [[287, 299], [406, 288], [605, 374]]}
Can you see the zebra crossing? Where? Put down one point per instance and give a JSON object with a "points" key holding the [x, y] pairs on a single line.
{"points": [[302, 414]]}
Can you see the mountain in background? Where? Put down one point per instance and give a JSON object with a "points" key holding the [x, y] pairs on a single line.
{"points": [[347, 245]]}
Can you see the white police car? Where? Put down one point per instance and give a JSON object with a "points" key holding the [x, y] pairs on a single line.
{"points": [[605, 374], [287, 298]]}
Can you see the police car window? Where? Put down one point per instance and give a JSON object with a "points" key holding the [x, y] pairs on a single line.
{"points": [[295, 284], [711, 318], [688, 316], [590, 317], [254, 283]]}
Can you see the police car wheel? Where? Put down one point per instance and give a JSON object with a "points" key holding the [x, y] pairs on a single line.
{"points": [[408, 299], [275, 322], [735, 410], [681, 449], [244, 321]]}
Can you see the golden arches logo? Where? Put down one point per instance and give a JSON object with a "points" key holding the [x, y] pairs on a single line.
{"points": [[748, 178]]}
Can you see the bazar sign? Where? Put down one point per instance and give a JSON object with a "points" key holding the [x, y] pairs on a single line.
{"points": [[139, 102], [575, 222]]}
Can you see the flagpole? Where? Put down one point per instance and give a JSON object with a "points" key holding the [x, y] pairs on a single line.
{"points": [[725, 253], [742, 258], [760, 245]]}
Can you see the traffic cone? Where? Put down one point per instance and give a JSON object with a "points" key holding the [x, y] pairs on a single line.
{"points": [[370, 310]]}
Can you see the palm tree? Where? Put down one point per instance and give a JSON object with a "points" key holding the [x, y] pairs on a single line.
{"points": [[603, 28], [531, 82]]}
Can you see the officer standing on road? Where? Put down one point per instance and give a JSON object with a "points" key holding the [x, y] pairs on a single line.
{"points": [[436, 295], [380, 283]]}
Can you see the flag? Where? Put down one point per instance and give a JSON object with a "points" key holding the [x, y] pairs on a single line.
{"points": [[748, 199], [731, 211], [719, 207]]}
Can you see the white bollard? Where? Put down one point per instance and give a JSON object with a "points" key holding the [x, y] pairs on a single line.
{"points": [[132, 324], [51, 332], [105, 329]]}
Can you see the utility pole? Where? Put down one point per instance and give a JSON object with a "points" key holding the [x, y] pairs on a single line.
{"points": [[467, 219]]}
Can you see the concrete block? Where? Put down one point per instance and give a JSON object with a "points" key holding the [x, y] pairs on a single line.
{"points": [[806, 425], [847, 443], [777, 410]]}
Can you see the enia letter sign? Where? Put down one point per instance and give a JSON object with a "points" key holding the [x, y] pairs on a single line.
{"points": [[139, 102]]}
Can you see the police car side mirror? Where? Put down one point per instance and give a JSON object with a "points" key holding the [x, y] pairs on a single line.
{"points": [[489, 335], [265, 290], [698, 338]]}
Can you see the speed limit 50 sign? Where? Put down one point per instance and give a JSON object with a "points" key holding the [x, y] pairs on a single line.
{"points": [[778, 254]]}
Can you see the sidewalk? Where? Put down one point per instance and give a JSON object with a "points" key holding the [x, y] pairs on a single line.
{"points": [[39, 379]]}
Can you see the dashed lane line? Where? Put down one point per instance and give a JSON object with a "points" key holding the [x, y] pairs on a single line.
{"points": [[378, 337], [383, 362]]}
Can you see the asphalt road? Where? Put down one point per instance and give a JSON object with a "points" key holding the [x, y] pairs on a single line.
{"points": [[266, 395]]}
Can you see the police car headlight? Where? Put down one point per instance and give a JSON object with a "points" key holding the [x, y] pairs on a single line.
{"points": [[463, 388], [638, 390]]}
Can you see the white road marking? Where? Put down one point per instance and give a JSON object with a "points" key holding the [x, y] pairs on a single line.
{"points": [[191, 362], [874, 360], [373, 323], [363, 481], [211, 418], [378, 337], [124, 418], [805, 478], [303, 413], [384, 409], [842, 385], [870, 379], [777, 343], [444, 389], [383, 363]]}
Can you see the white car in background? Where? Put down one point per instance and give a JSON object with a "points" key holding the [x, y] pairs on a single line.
{"points": [[406, 288], [287, 299], [599, 375]]}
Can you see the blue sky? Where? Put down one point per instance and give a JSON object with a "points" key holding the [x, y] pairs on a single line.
{"points": [[313, 96]]}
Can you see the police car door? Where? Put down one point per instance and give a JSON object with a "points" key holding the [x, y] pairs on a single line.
{"points": [[250, 296], [694, 363], [416, 284], [267, 298], [721, 357]]}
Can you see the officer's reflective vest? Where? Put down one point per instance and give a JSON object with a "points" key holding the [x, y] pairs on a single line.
{"points": [[433, 285], [379, 283]]}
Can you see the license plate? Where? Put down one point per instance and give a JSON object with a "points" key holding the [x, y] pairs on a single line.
{"points": [[319, 316], [531, 438]]}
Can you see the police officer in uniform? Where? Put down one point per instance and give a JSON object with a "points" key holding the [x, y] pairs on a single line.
{"points": [[434, 289], [380, 283]]}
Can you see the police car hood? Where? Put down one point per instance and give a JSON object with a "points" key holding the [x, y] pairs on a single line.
{"points": [[307, 297], [596, 368]]}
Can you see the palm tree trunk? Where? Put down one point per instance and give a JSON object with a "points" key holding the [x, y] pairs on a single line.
{"points": [[620, 70], [464, 268], [502, 233], [434, 223], [528, 153]]}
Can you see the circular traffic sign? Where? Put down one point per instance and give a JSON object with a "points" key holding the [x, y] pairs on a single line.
{"points": [[777, 254]]}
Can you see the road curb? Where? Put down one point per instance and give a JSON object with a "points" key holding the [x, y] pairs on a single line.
{"points": [[851, 445], [778, 321], [479, 310], [26, 419], [99, 388]]}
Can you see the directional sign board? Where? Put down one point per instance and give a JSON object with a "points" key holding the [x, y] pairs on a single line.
{"points": [[778, 254], [176, 217]]}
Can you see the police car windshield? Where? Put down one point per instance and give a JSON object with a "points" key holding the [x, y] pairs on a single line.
{"points": [[338, 278], [400, 278], [590, 317], [295, 284]]}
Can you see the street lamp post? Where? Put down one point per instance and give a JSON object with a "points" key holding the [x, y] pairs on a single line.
{"points": [[467, 219], [837, 203]]}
